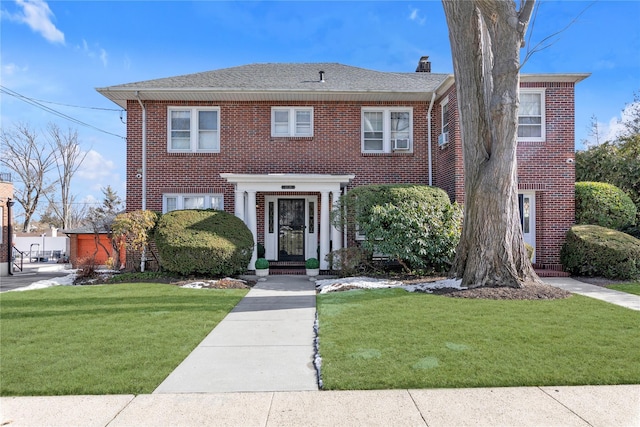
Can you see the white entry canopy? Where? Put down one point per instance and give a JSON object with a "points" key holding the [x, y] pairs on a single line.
{"points": [[287, 182], [247, 185]]}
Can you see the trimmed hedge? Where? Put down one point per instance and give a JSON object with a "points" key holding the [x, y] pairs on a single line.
{"points": [[599, 203], [591, 250], [207, 242]]}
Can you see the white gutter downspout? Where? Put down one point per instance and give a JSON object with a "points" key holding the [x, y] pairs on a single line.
{"points": [[433, 98], [144, 152], [143, 258]]}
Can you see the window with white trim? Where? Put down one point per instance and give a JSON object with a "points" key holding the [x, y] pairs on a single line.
{"points": [[531, 119], [385, 130], [193, 130], [174, 202], [444, 106], [291, 121]]}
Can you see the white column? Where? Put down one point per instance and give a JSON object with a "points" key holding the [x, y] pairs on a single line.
{"points": [[252, 223], [324, 229], [336, 233], [239, 204]]}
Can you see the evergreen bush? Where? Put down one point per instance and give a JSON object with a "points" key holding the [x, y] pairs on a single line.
{"points": [[416, 225], [203, 241], [591, 250], [599, 203]]}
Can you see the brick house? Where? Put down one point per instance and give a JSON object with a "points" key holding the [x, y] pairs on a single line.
{"points": [[277, 144]]}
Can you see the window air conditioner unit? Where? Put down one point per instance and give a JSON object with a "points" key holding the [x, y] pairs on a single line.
{"points": [[443, 139], [401, 144]]}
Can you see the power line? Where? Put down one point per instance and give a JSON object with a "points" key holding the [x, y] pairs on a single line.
{"points": [[35, 103], [77, 106]]}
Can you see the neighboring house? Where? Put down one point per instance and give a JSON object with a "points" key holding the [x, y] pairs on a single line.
{"points": [[6, 202], [277, 144], [89, 244]]}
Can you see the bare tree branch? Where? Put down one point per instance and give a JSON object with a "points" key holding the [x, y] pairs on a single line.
{"points": [[23, 154]]}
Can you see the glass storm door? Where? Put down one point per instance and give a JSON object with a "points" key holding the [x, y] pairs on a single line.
{"points": [[291, 218], [526, 204]]}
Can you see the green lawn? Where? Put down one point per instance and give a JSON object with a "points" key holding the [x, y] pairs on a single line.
{"points": [[377, 339], [107, 339], [630, 288]]}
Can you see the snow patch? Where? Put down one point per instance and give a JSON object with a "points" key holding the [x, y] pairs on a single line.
{"points": [[333, 285], [56, 281]]}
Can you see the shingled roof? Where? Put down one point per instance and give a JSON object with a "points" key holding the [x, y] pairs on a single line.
{"points": [[283, 81]]}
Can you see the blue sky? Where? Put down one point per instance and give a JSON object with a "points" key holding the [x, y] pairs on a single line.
{"points": [[60, 51]]}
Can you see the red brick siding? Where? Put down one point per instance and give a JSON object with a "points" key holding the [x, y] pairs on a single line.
{"points": [[542, 167], [246, 146]]}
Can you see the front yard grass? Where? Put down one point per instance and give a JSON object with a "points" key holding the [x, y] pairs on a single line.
{"points": [[108, 339], [630, 288], [380, 339]]}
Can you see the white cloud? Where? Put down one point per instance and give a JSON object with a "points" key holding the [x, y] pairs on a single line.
{"points": [[12, 69], [616, 127], [37, 15], [416, 16], [101, 54], [96, 168]]}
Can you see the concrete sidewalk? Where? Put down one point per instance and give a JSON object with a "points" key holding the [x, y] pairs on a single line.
{"points": [[622, 299], [266, 343], [528, 406]]}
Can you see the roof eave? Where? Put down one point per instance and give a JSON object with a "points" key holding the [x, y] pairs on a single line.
{"points": [[121, 96]]}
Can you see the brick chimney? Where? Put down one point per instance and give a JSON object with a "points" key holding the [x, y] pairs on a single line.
{"points": [[424, 65]]}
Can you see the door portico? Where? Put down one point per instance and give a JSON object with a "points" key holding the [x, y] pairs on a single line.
{"points": [[297, 187]]}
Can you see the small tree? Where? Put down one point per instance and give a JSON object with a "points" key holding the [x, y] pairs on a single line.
{"points": [[134, 228]]}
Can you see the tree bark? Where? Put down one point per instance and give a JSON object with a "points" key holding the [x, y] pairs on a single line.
{"points": [[486, 36]]}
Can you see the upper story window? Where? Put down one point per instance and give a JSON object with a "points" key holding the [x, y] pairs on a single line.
{"points": [[194, 130], [385, 130], [174, 202], [292, 121], [531, 120]]}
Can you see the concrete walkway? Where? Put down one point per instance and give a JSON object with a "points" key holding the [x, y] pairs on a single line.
{"points": [[266, 343], [600, 406], [622, 299]]}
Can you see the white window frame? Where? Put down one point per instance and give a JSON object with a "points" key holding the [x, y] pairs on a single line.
{"points": [[542, 137], [292, 122], [387, 146], [193, 130], [208, 201], [444, 107]]}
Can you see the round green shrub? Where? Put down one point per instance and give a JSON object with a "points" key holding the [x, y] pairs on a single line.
{"points": [[208, 242], [599, 203], [416, 225], [591, 250], [261, 264], [312, 263]]}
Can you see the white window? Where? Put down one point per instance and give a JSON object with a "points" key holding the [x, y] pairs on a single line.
{"points": [[385, 130], [445, 116], [291, 121], [173, 202], [193, 129], [2, 225], [531, 120]]}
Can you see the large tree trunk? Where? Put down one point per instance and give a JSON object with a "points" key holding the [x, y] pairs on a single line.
{"points": [[486, 36]]}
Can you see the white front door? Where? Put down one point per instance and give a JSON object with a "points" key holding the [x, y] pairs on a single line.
{"points": [[527, 204], [291, 227]]}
